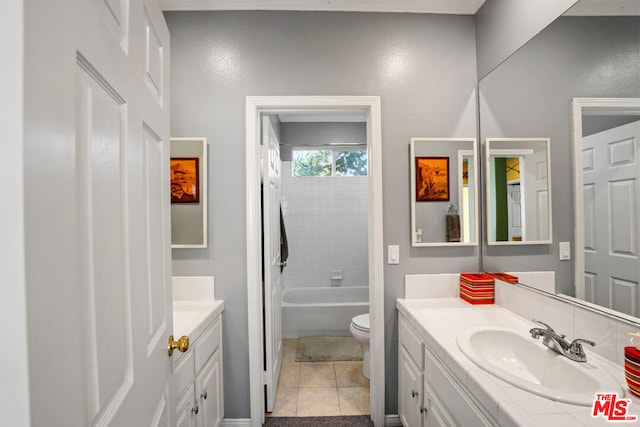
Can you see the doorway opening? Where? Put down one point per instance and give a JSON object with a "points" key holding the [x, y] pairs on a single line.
{"points": [[323, 282], [605, 142], [256, 109]]}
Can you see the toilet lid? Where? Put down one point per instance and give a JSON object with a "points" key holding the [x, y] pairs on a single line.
{"points": [[361, 322]]}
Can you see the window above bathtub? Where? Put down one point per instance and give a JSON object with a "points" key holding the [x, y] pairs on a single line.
{"points": [[329, 161]]}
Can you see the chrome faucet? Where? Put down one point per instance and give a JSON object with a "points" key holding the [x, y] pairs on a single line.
{"points": [[572, 350]]}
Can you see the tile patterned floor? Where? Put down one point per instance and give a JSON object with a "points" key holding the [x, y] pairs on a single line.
{"points": [[307, 389]]}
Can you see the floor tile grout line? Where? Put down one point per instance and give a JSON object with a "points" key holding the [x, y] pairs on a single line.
{"points": [[333, 364]]}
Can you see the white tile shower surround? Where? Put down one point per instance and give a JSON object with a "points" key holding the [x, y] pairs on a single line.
{"points": [[611, 336], [326, 225]]}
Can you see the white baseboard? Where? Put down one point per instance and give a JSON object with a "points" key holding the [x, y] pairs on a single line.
{"points": [[392, 421], [236, 422]]}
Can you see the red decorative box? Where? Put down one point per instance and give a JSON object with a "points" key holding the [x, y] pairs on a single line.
{"points": [[632, 369], [477, 288], [504, 277]]}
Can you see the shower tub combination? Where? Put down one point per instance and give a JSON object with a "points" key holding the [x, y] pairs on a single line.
{"points": [[325, 311]]}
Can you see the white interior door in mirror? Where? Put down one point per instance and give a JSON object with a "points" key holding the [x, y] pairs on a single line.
{"points": [[518, 183], [444, 192], [611, 218], [188, 172]]}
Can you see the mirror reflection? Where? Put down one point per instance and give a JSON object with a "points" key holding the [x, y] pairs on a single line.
{"points": [[589, 52], [444, 191], [518, 191], [188, 177], [606, 177]]}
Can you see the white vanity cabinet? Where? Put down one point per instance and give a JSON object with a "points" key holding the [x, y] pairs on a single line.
{"points": [[410, 377], [409, 390], [420, 375], [198, 378]]}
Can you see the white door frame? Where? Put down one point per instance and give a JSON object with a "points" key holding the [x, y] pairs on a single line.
{"points": [[580, 107], [14, 367], [370, 106]]}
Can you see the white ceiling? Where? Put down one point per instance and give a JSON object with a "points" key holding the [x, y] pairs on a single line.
{"points": [[457, 7]]}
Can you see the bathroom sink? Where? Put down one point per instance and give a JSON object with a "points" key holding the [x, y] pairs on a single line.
{"points": [[527, 364]]}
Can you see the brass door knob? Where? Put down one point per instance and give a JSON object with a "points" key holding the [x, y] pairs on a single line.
{"points": [[182, 344]]}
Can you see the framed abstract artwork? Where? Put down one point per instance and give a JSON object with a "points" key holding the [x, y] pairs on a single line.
{"points": [[185, 180], [432, 179]]}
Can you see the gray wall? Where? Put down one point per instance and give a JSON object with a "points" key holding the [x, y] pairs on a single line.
{"points": [[300, 134], [503, 26], [422, 66], [530, 95]]}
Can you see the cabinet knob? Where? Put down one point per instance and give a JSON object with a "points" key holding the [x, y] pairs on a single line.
{"points": [[194, 410], [204, 395], [182, 344], [423, 409], [414, 393]]}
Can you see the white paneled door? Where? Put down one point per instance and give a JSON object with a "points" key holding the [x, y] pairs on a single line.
{"points": [[272, 292], [97, 213], [612, 218]]}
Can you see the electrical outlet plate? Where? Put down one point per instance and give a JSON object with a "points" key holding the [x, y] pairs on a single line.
{"points": [[565, 251], [393, 254]]}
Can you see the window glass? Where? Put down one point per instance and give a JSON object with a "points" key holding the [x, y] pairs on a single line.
{"points": [[351, 163], [329, 162], [312, 163]]}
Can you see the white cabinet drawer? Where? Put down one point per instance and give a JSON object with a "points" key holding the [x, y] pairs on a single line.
{"points": [[411, 341], [208, 342], [184, 371]]}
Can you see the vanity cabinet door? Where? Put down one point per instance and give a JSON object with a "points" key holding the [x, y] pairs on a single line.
{"points": [[209, 393], [434, 414], [186, 411], [409, 390]]}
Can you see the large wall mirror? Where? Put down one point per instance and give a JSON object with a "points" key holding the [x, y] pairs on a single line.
{"points": [[592, 51], [444, 192], [518, 193]]}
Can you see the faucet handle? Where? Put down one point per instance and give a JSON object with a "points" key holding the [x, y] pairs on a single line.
{"points": [[549, 328], [575, 350], [577, 343]]}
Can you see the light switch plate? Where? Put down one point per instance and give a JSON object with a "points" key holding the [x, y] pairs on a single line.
{"points": [[565, 251], [393, 254]]}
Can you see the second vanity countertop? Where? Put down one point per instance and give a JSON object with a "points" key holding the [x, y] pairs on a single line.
{"points": [[438, 321], [190, 318]]}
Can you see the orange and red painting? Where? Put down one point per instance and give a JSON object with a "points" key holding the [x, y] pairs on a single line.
{"points": [[432, 179], [185, 180]]}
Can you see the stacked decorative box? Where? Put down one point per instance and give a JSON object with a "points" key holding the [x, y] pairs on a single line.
{"points": [[632, 366], [477, 288], [505, 277]]}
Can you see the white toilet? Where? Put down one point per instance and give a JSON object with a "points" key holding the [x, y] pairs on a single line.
{"points": [[360, 330]]}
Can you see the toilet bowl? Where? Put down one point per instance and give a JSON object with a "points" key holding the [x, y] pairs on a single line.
{"points": [[360, 330]]}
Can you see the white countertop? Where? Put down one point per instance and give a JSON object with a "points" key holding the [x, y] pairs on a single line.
{"points": [[191, 317], [438, 322]]}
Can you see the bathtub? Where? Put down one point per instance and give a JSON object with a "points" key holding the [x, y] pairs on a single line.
{"points": [[322, 311]]}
